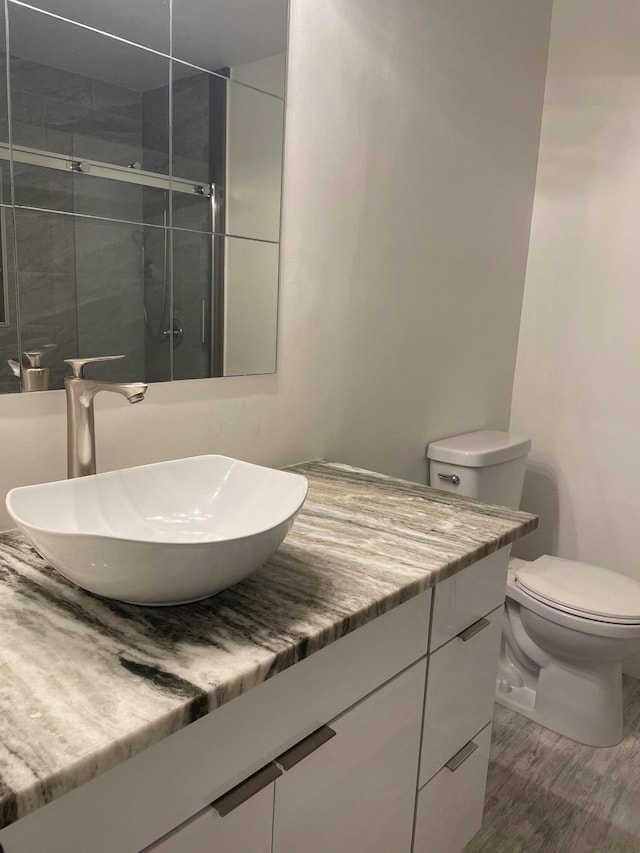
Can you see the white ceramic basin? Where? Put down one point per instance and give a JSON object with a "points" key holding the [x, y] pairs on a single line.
{"points": [[168, 533]]}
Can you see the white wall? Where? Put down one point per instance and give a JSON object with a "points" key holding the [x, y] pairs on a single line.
{"points": [[411, 141], [438, 113], [577, 384]]}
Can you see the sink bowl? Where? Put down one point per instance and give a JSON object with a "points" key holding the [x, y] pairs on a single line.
{"points": [[168, 533]]}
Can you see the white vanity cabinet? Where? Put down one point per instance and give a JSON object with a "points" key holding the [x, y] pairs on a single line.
{"points": [[163, 796], [246, 829], [356, 793], [349, 786], [334, 754], [463, 657], [449, 809]]}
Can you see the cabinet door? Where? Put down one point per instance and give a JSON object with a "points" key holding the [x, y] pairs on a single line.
{"points": [[462, 599], [357, 791], [462, 685], [450, 805], [247, 828]]}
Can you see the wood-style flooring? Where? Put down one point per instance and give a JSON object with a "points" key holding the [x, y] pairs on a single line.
{"points": [[548, 794]]}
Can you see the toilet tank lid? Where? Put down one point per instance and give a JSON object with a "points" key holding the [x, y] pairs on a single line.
{"points": [[477, 449]]}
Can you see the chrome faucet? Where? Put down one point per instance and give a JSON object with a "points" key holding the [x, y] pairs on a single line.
{"points": [[33, 375], [81, 438]]}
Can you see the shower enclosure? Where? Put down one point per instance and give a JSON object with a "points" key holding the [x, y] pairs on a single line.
{"points": [[142, 203], [136, 287]]}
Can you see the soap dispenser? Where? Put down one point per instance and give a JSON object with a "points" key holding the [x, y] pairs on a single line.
{"points": [[33, 376]]}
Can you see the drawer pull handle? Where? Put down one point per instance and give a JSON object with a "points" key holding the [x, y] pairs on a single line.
{"points": [[474, 629], [245, 790], [460, 757], [315, 740]]}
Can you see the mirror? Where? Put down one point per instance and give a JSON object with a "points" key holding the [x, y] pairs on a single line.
{"points": [[140, 185]]}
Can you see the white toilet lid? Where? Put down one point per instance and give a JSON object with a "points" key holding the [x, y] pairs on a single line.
{"points": [[582, 588]]}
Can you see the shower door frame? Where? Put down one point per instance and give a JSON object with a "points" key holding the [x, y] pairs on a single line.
{"points": [[140, 177]]}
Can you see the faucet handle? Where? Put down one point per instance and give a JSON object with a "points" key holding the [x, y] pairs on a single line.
{"points": [[78, 364], [35, 356]]}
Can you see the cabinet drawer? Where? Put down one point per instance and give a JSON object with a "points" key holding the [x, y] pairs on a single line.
{"points": [[464, 598], [247, 829], [460, 692], [450, 806], [357, 791]]}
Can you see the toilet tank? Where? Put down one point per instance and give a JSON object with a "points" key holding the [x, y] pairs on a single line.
{"points": [[488, 465]]}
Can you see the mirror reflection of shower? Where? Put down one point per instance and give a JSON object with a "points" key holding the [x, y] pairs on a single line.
{"points": [[166, 326], [142, 185]]}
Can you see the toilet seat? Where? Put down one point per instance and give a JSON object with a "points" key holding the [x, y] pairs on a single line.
{"points": [[581, 589], [579, 614], [577, 622]]}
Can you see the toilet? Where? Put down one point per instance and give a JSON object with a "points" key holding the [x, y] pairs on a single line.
{"points": [[567, 625]]}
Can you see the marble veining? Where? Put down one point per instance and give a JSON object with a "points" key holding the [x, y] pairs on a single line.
{"points": [[88, 682]]}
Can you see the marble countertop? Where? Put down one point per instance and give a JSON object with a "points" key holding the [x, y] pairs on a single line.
{"points": [[87, 683]]}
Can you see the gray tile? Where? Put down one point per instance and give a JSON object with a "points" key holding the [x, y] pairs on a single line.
{"points": [[43, 80], [46, 243], [155, 130], [548, 794], [30, 135], [191, 123], [36, 186], [157, 301], [107, 198], [109, 285], [58, 141], [116, 100], [47, 300], [192, 288], [77, 118], [49, 317], [156, 206], [192, 169], [191, 212], [105, 150], [9, 333], [27, 108]]}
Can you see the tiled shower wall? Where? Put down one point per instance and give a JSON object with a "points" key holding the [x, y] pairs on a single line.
{"points": [[92, 269], [80, 278], [68, 294]]}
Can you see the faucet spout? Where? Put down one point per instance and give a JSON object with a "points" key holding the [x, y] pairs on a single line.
{"points": [[81, 392]]}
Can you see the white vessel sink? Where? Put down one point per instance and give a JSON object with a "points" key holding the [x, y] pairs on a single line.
{"points": [[168, 533]]}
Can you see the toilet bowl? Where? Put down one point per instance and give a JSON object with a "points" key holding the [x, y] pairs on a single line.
{"points": [[567, 625], [567, 628]]}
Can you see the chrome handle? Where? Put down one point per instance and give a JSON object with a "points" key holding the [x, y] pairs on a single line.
{"points": [[450, 478], [35, 356], [245, 790], [301, 750], [474, 629], [460, 757], [83, 166], [78, 364]]}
